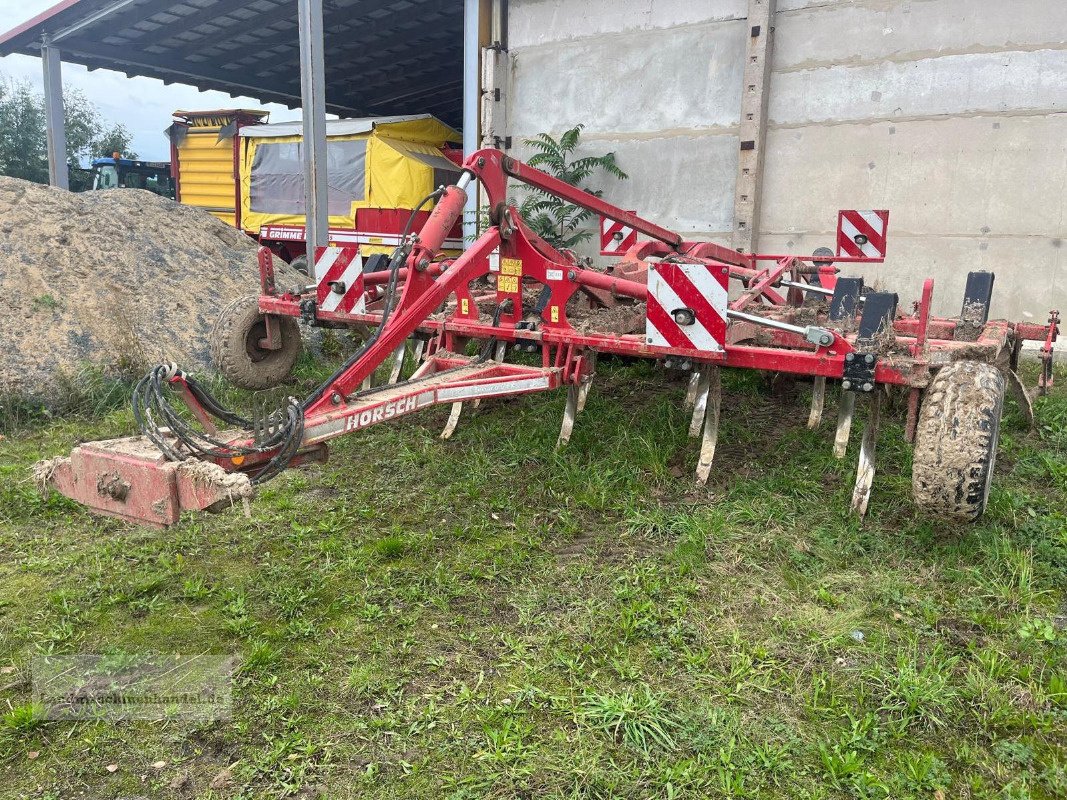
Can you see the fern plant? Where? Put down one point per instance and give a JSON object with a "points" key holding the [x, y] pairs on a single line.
{"points": [[556, 221]]}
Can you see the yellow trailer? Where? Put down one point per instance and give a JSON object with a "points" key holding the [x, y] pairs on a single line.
{"points": [[206, 156], [378, 170]]}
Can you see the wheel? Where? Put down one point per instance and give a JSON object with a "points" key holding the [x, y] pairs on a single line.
{"points": [[236, 350], [300, 264], [956, 440]]}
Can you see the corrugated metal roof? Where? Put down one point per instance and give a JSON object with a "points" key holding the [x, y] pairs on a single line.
{"points": [[382, 56]]}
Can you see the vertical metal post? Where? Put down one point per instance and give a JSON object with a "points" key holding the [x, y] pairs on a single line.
{"points": [[754, 93], [471, 101], [55, 131], [494, 78], [313, 102]]}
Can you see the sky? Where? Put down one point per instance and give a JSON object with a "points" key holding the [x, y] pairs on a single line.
{"points": [[143, 105]]}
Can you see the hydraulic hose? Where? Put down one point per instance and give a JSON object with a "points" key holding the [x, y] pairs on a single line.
{"points": [[152, 410]]}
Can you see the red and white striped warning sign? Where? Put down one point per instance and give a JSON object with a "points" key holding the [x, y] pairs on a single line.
{"points": [[339, 277], [616, 238], [861, 234], [687, 306]]}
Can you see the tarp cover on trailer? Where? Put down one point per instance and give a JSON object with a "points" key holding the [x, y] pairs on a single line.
{"points": [[430, 127], [384, 162], [277, 180]]}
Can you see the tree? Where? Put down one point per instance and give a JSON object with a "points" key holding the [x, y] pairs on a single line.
{"points": [[553, 219], [23, 146]]}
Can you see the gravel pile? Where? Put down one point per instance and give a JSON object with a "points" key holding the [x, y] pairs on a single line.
{"points": [[119, 279]]}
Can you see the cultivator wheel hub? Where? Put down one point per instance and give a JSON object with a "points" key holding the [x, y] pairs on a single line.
{"points": [[666, 299]]}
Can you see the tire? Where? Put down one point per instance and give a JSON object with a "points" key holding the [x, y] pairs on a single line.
{"points": [[300, 264], [235, 346], [956, 440]]}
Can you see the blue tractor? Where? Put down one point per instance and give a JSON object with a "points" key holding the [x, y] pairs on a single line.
{"points": [[115, 172]]}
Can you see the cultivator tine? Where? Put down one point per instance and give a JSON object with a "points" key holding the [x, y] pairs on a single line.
{"points": [[587, 383], [398, 362], [691, 391], [453, 421], [846, 408], [865, 468], [711, 425], [570, 412], [1022, 396], [700, 403], [417, 349], [818, 400], [583, 392]]}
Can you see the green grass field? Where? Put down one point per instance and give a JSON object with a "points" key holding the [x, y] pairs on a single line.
{"points": [[486, 617]]}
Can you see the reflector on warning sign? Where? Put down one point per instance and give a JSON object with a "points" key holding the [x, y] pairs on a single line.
{"points": [[862, 234], [339, 279], [687, 306], [616, 238]]}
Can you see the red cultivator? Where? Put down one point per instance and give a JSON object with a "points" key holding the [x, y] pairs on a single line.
{"points": [[666, 299]]}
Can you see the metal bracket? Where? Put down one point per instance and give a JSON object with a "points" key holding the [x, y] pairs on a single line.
{"points": [[526, 346], [268, 414], [858, 373]]}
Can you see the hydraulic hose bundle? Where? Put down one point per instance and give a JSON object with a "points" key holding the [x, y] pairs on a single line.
{"points": [[152, 412]]}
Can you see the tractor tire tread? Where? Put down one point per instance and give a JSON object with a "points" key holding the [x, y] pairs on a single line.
{"points": [[229, 353], [956, 440]]}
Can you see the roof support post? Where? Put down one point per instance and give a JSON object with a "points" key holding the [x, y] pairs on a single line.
{"points": [[753, 131], [472, 97], [55, 132], [313, 106], [495, 68]]}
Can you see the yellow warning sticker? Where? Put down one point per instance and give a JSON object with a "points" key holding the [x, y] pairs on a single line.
{"points": [[511, 266], [553, 313], [464, 306], [509, 284]]}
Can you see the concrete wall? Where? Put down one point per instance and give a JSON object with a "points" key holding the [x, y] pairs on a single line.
{"points": [[658, 82], [951, 113]]}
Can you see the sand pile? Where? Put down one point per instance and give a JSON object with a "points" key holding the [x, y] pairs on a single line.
{"points": [[120, 279]]}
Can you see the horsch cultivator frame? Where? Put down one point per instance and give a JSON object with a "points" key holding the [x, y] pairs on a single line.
{"points": [[511, 289]]}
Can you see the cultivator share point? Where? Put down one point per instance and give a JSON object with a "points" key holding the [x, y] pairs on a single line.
{"points": [[666, 299]]}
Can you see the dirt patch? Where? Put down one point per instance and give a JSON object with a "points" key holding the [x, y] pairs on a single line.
{"points": [[773, 417], [620, 319], [960, 632], [118, 278]]}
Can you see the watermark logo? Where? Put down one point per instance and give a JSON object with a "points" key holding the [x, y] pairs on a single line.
{"points": [[134, 686]]}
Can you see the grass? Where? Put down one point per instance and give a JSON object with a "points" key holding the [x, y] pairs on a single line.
{"points": [[487, 617]]}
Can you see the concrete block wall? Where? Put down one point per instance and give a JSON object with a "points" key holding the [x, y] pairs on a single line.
{"points": [[656, 81], [951, 113]]}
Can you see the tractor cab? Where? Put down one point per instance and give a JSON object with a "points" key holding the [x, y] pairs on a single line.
{"points": [[115, 172]]}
